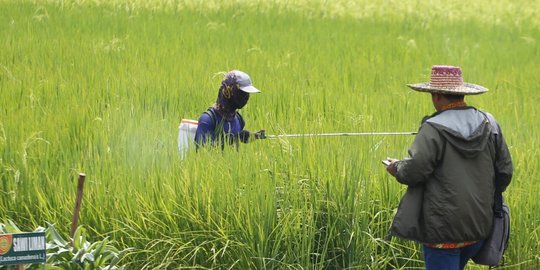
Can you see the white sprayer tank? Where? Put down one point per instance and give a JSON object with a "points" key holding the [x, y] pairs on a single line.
{"points": [[186, 136]]}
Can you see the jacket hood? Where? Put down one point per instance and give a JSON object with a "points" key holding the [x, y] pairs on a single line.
{"points": [[466, 128]]}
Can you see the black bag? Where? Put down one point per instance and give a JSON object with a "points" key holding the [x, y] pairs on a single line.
{"points": [[494, 246]]}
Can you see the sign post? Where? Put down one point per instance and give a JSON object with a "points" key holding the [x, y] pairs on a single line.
{"points": [[23, 248]]}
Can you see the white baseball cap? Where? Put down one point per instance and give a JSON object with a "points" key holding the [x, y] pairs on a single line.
{"points": [[243, 80]]}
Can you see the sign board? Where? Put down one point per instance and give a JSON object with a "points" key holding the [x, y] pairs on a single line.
{"points": [[23, 248]]}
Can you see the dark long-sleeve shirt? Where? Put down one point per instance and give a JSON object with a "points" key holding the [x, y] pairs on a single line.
{"points": [[210, 131]]}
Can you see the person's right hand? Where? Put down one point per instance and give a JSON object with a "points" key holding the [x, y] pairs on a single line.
{"points": [[261, 134], [391, 168]]}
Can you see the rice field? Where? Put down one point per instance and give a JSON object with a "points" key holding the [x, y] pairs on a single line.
{"points": [[100, 87]]}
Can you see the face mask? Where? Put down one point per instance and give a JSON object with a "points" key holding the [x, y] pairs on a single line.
{"points": [[239, 98]]}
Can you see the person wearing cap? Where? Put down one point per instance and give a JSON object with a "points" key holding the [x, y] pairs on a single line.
{"points": [[457, 169], [222, 123]]}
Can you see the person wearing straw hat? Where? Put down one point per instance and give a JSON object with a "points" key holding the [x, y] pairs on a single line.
{"points": [[222, 122], [457, 169]]}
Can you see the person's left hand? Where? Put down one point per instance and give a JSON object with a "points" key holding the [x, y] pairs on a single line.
{"points": [[261, 134]]}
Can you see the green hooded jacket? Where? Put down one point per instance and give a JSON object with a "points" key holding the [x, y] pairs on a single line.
{"points": [[457, 161]]}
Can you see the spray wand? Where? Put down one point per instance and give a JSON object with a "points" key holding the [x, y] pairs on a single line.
{"points": [[339, 134]]}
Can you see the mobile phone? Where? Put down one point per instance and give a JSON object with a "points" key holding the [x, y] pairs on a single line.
{"points": [[386, 162]]}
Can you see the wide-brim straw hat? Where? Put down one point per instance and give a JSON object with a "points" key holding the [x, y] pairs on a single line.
{"points": [[448, 80]]}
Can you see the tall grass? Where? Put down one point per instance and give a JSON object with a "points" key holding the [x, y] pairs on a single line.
{"points": [[100, 88]]}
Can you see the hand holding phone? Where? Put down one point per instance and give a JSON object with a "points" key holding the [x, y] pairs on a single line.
{"points": [[390, 165]]}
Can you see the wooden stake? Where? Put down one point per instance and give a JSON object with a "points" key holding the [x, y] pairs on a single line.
{"points": [[75, 221]]}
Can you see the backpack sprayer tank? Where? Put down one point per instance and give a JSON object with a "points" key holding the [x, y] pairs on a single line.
{"points": [[186, 135]]}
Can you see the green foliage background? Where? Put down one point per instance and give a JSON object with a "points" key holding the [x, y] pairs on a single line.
{"points": [[100, 87]]}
